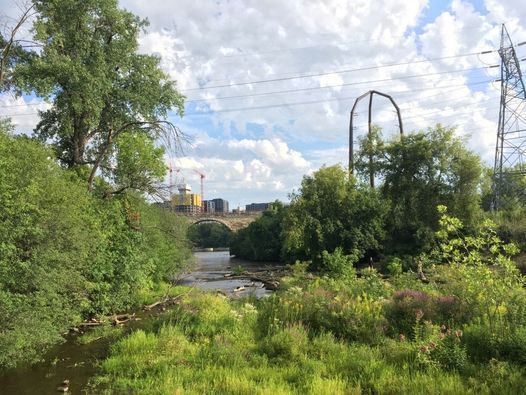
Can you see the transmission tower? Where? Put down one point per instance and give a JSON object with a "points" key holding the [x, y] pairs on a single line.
{"points": [[510, 150]]}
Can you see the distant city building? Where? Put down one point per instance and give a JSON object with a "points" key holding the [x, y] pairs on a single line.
{"points": [[257, 207], [209, 206], [221, 205], [185, 201], [187, 209]]}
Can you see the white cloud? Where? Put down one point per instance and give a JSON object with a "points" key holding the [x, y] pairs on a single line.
{"points": [[264, 169], [205, 44]]}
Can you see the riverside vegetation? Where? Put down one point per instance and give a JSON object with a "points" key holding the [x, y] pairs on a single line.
{"points": [[463, 331], [440, 310]]}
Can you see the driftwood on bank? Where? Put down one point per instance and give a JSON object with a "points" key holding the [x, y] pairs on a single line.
{"points": [[161, 302], [119, 319], [265, 277]]}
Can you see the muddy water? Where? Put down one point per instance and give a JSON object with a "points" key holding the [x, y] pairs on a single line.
{"points": [[78, 363], [212, 268]]}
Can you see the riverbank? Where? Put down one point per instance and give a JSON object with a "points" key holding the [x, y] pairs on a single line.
{"points": [[315, 336], [210, 249], [78, 358]]}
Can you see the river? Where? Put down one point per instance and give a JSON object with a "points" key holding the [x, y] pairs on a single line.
{"points": [[78, 363]]}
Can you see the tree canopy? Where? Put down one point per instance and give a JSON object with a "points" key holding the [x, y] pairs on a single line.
{"points": [[419, 172], [262, 240], [333, 211], [100, 87]]}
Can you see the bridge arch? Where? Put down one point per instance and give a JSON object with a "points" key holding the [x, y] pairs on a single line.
{"points": [[234, 222], [208, 220]]}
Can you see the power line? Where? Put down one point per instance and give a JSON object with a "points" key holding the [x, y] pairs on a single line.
{"points": [[23, 105], [365, 68], [312, 101], [335, 86], [18, 115]]}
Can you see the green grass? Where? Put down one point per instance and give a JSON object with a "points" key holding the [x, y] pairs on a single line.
{"points": [[286, 345], [105, 331]]}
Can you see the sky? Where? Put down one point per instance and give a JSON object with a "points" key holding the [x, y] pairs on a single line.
{"points": [[269, 84]]}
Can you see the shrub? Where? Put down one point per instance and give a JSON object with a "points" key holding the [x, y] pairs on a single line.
{"points": [[349, 317], [394, 267], [287, 344]]}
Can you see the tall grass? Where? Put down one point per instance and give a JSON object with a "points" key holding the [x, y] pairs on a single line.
{"points": [[304, 340]]}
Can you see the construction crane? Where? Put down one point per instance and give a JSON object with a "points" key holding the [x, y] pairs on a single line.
{"points": [[202, 177], [171, 169]]}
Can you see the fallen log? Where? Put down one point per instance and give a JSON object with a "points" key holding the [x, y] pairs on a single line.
{"points": [[119, 319], [90, 323], [155, 304]]}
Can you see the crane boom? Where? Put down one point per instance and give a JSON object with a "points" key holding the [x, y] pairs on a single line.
{"points": [[202, 177]]}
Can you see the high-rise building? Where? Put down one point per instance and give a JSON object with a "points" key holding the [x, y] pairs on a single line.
{"points": [[221, 205], [257, 207], [209, 206], [185, 201]]}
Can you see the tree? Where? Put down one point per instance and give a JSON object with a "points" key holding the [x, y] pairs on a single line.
{"points": [[262, 240], [99, 86], [209, 235], [419, 172], [66, 255], [139, 163], [332, 211], [370, 155]]}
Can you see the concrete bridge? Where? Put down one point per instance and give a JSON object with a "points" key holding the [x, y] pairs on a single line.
{"points": [[233, 221]]}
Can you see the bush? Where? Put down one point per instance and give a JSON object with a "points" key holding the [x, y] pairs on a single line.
{"points": [[322, 309], [407, 306], [394, 267], [66, 254]]}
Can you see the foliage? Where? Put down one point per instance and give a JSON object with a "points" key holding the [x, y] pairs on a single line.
{"points": [[262, 240], [485, 276], [331, 211], [66, 255], [347, 311], [99, 86], [211, 345], [418, 172], [409, 306], [13, 50], [209, 234], [139, 163], [339, 265], [395, 267]]}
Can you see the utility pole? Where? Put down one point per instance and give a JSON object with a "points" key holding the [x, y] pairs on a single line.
{"points": [[369, 130], [510, 149]]}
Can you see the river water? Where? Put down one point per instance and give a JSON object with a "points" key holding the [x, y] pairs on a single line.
{"points": [[78, 363]]}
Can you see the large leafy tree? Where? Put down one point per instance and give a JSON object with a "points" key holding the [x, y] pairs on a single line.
{"points": [[262, 240], [100, 87], [330, 212], [419, 172], [209, 235], [65, 254]]}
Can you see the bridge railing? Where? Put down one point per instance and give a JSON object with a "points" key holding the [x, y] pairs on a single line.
{"points": [[219, 215]]}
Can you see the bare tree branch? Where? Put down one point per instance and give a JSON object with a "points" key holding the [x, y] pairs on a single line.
{"points": [[9, 42]]}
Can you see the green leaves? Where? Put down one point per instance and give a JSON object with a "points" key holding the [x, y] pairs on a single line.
{"points": [[262, 240], [65, 255], [419, 172], [100, 88], [332, 212]]}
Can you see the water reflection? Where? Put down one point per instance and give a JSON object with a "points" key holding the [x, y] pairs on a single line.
{"points": [[212, 267]]}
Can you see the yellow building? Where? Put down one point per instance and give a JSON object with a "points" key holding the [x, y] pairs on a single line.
{"points": [[186, 199]]}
